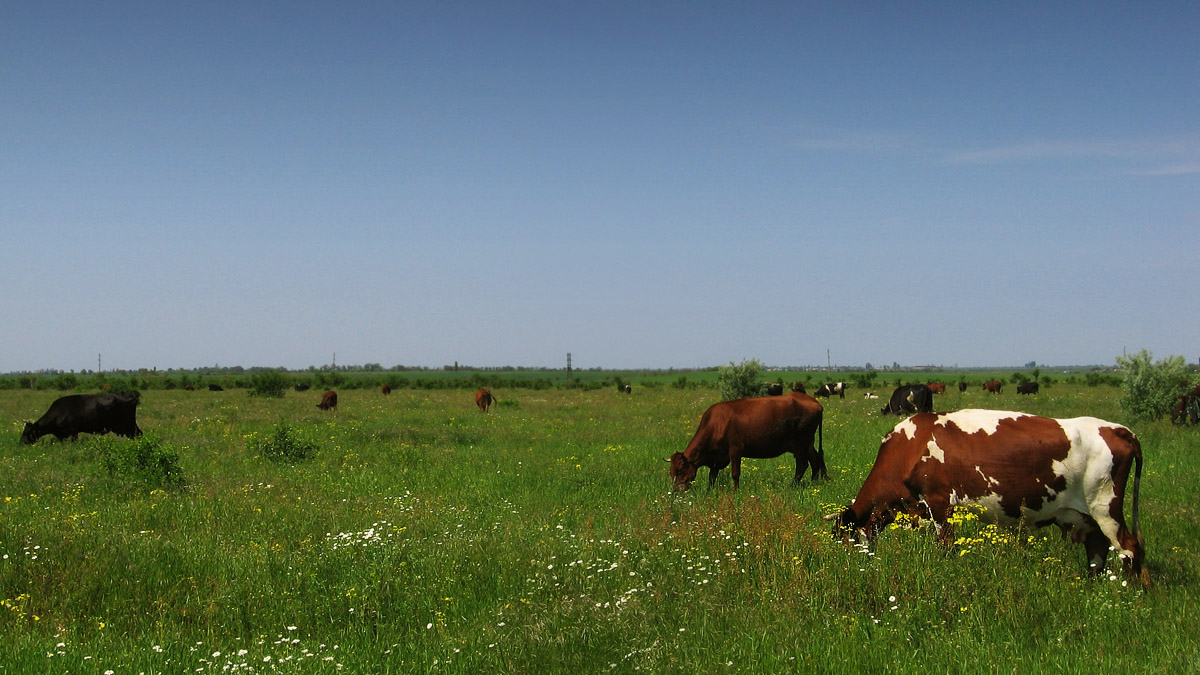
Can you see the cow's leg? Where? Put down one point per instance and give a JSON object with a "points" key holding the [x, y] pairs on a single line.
{"points": [[712, 476], [801, 466], [1110, 522], [938, 510], [1096, 545], [735, 469]]}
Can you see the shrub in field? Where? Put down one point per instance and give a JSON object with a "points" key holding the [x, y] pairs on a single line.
{"points": [[329, 379], [146, 458], [739, 380], [285, 444], [1150, 388], [268, 384], [66, 382], [864, 380]]}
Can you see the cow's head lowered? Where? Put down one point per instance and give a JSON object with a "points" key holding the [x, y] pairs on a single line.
{"points": [[683, 472], [31, 434]]}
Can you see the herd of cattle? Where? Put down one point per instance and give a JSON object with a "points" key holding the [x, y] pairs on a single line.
{"points": [[1013, 466], [1016, 467]]}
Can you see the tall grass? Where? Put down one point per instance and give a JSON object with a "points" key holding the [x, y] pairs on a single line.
{"points": [[425, 536]]}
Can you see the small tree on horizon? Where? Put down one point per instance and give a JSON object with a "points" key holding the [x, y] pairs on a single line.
{"points": [[740, 380]]}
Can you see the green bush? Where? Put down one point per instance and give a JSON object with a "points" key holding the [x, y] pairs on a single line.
{"points": [[740, 380], [864, 380], [285, 444], [145, 458], [268, 384], [1149, 389]]}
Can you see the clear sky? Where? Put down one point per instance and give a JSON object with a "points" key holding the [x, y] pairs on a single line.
{"points": [[641, 184]]}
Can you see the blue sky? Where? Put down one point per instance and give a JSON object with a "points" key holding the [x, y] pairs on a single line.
{"points": [[641, 184]]}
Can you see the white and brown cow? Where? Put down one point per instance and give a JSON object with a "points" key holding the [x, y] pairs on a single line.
{"points": [[1018, 467]]}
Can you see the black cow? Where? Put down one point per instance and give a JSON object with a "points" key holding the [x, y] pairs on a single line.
{"points": [[774, 388], [77, 414], [910, 399], [962, 386], [832, 388], [215, 387], [1027, 388]]}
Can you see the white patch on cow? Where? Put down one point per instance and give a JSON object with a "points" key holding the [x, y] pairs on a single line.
{"points": [[905, 427], [973, 421], [933, 451]]}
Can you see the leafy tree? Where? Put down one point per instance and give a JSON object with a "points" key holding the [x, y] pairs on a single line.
{"points": [[740, 380], [1150, 388], [268, 383]]}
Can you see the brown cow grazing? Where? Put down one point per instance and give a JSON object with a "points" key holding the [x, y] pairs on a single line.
{"points": [[1016, 468], [328, 401], [759, 428], [386, 389], [993, 386], [937, 387], [484, 399], [962, 386], [1027, 388]]}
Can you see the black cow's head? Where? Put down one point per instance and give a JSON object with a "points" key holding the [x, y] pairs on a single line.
{"points": [[31, 434], [683, 472]]}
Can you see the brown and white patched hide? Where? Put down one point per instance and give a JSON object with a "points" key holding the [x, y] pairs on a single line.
{"points": [[1017, 467]]}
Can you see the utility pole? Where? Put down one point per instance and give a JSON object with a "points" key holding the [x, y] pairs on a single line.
{"points": [[568, 364], [98, 368]]}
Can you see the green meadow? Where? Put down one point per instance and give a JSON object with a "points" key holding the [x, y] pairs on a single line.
{"points": [[420, 535]]}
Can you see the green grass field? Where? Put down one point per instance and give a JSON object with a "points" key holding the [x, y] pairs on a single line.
{"points": [[426, 536]]}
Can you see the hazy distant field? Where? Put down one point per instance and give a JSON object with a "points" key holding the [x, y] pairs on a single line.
{"points": [[426, 536]]}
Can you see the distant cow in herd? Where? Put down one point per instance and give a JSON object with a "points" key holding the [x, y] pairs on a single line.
{"points": [[909, 399], [1016, 468], [993, 386], [1027, 388], [832, 388], [798, 387], [937, 387], [385, 389], [962, 386], [1186, 407], [302, 387], [76, 414], [484, 399], [215, 387], [328, 401], [757, 428], [773, 388]]}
